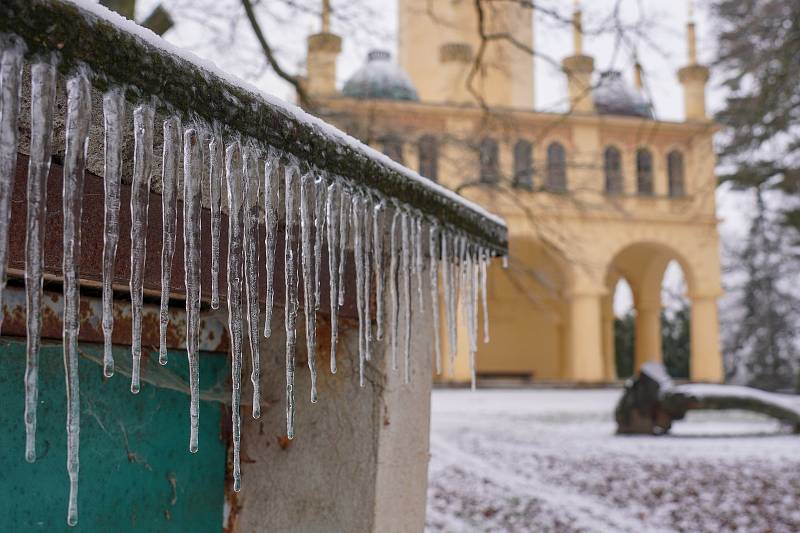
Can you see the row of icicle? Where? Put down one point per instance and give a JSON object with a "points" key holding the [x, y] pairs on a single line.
{"points": [[317, 207]]}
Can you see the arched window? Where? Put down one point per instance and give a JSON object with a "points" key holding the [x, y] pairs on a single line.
{"points": [[675, 173], [489, 157], [556, 168], [612, 163], [393, 147], [428, 149], [644, 172], [523, 164]]}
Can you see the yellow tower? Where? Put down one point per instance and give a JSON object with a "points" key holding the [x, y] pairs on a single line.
{"points": [[579, 68], [693, 76], [323, 49]]}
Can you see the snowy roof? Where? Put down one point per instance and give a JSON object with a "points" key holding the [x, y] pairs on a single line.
{"points": [[614, 96], [115, 51], [380, 78]]}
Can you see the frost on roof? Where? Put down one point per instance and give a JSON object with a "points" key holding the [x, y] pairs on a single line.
{"points": [[380, 78]]}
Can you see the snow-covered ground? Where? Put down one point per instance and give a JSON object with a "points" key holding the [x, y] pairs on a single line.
{"points": [[548, 460]]}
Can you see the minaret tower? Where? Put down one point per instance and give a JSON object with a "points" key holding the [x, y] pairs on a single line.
{"points": [[323, 49], [579, 68], [693, 76]]}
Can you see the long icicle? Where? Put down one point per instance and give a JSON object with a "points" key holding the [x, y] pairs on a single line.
{"points": [[420, 260], [79, 108], [216, 154], [485, 257], [43, 93], [320, 199], [447, 280], [290, 278], [272, 180], [406, 259], [358, 253], [433, 250], [378, 217], [236, 214], [367, 212], [393, 268], [114, 119], [344, 219], [332, 212], [140, 195], [192, 178], [10, 75], [251, 215], [307, 213], [169, 215]]}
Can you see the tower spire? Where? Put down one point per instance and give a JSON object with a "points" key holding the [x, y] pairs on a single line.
{"points": [[325, 16], [577, 28], [691, 37], [693, 76]]}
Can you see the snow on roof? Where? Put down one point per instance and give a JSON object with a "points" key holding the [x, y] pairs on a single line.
{"points": [[613, 96], [380, 78], [329, 131]]}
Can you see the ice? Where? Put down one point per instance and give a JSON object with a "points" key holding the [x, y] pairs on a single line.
{"points": [[419, 259], [251, 215], [43, 85], [393, 294], [345, 204], [307, 214], [290, 277], [77, 143], [140, 195], [192, 178], [379, 212], [320, 189], [169, 215], [485, 258], [366, 243], [406, 260], [448, 267], [358, 252], [433, 249], [332, 213], [505, 261], [272, 179], [215, 177], [236, 214], [10, 74], [114, 119]]}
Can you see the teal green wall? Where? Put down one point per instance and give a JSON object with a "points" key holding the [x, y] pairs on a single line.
{"points": [[131, 447]]}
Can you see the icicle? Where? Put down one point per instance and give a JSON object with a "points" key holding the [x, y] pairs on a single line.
{"points": [[419, 258], [377, 247], [406, 258], [320, 188], [169, 215], [346, 204], [393, 268], [468, 305], [332, 212], [10, 74], [272, 180], [474, 272], [140, 195], [433, 251], [483, 264], [216, 150], [447, 281], [79, 108], [192, 177], [366, 241], [251, 213], [114, 118], [358, 252], [307, 213], [43, 86], [505, 261], [236, 215], [290, 277]]}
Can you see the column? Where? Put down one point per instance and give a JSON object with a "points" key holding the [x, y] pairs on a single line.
{"points": [[584, 338], [705, 358], [648, 334], [609, 350]]}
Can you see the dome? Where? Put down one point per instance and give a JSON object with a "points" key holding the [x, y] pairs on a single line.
{"points": [[615, 97], [379, 78]]}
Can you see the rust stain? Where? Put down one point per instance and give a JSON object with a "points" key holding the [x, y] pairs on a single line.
{"points": [[283, 441]]}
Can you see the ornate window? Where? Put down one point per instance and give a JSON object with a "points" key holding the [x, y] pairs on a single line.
{"points": [[428, 150], [556, 168], [523, 164], [489, 161], [393, 147], [675, 173], [612, 163], [644, 172]]}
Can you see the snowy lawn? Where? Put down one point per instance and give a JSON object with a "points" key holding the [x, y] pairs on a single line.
{"points": [[548, 460]]}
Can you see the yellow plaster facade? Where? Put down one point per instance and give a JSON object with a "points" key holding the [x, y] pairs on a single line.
{"points": [[577, 226]]}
